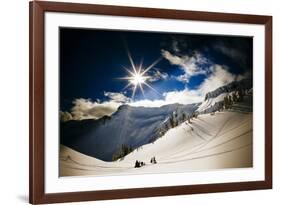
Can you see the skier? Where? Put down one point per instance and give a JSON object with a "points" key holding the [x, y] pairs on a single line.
{"points": [[153, 160], [137, 164]]}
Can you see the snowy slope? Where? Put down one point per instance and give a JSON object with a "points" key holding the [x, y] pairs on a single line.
{"points": [[244, 84], [211, 101], [223, 140], [214, 98], [132, 126]]}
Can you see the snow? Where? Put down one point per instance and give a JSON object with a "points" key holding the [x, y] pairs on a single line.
{"points": [[211, 102], [219, 141], [133, 126]]}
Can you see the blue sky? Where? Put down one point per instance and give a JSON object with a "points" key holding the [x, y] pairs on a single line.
{"points": [[93, 62]]}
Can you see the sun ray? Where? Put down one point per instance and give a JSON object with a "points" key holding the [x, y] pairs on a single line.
{"points": [[152, 65], [137, 75], [142, 91], [151, 88], [128, 85], [141, 62], [134, 91], [124, 78], [130, 72], [131, 60]]}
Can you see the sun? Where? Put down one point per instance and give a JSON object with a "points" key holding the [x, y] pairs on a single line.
{"points": [[138, 76], [137, 79]]}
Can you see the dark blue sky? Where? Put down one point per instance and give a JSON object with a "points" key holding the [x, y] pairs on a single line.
{"points": [[91, 61]]}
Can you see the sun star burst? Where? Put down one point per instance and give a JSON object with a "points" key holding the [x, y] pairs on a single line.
{"points": [[137, 79], [138, 76]]}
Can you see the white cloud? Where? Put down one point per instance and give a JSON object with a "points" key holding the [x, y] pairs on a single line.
{"points": [[175, 46], [155, 75], [87, 109], [185, 96], [117, 97], [148, 103], [178, 44], [219, 77], [190, 64], [182, 78]]}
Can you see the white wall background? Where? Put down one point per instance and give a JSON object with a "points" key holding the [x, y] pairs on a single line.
{"points": [[14, 100]]}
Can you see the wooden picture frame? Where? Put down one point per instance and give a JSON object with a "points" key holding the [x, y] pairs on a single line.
{"points": [[37, 10]]}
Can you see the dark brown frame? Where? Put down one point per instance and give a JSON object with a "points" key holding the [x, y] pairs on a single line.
{"points": [[37, 95]]}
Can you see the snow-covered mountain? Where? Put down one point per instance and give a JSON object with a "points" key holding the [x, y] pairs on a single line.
{"points": [[130, 126], [214, 100], [244, 84], [219, 141]]}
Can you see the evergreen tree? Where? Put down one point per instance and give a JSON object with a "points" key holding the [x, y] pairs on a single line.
{"points": [[240, 95], [234, 97], [176, 123], [183, 116], [226, 103], [122, 152], [167, 126], [188, 119], [229, 101], [176, 115], [195, 114], [171, 120]]}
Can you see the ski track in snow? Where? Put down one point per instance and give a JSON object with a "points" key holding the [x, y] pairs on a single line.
{"points": [[223, 140]]}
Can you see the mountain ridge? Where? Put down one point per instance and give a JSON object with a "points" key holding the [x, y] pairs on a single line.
{"points": [[130, 126], [246, 83]]}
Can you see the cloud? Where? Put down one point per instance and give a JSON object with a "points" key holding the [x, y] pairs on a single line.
{"points": [[117, 97], [65, 116], [148, 103], [175, 46], [178, 43], [232, 53], [155, 75], [192, 65], [185, 96], [182, 78], [87, 109], [219, 76]]}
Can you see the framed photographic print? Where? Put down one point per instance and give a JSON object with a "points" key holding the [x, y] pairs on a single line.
{"points": [[139, 102]]}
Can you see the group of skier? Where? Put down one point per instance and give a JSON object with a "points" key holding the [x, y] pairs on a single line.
{"points": [[140, 163]]}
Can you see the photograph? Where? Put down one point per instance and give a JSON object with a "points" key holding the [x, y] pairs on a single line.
{"points": [[142, 102], [132, 102]]}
